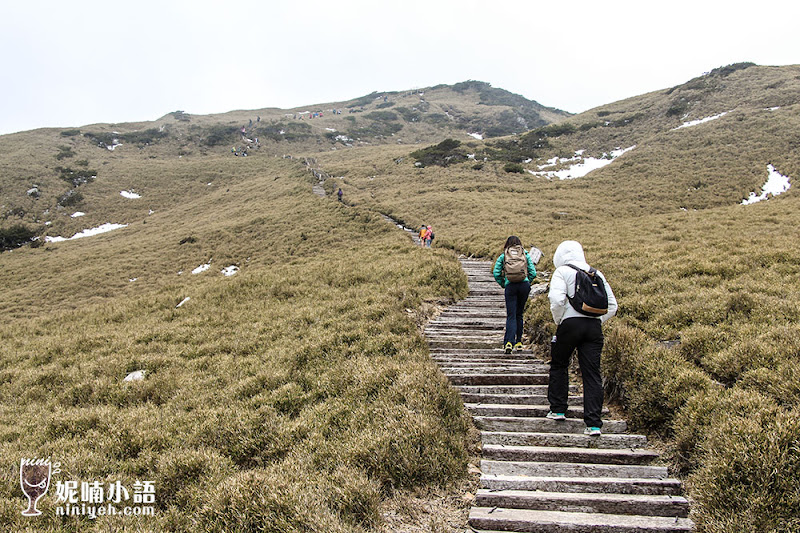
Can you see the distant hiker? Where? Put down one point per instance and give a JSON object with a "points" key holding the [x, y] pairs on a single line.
{"points": [[244, 130], [514, 271], [258, 119], [339, 194], [250, 123], [422, 231], [428, 237], [579, 319]]}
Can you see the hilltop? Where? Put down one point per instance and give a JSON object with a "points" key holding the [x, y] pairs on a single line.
{"points": [[48, 174]]}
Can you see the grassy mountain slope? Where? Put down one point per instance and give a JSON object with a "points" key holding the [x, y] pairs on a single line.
{"points": [[705, 350], [294, 395]]}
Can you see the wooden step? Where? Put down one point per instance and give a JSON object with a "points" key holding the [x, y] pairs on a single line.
{"points": [[499, 359], [473, 368], [543, 425], [514, 399], [521, 410], [556, 469], [497, 379], [608, 456], [583, 484], [482, 352], [509, 389], [607, 440], [585, 502], [525, 520]]}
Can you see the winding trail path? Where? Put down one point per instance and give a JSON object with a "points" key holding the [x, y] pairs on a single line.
{"points": [[541, 475]]}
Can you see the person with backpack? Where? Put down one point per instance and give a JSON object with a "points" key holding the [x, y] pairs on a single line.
{"points": [[581, 300], [514, 271], [422, 231], [428, 237]]}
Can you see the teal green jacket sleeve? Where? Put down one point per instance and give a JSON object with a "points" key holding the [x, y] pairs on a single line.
{"points": [[498, 270], [531, 268]]}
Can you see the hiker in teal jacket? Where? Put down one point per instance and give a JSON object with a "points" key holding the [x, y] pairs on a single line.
{"points": [[516, 294]]}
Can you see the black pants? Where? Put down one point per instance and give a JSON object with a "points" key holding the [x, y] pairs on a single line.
{"points": [[516, 298], [585, 334]]}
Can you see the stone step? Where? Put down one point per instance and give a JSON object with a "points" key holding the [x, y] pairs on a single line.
{"points": [[487, 352], [542, 454], [466, 325], [585, 502], [492, 339], [556, 469], [498, 379], [497, 360], [454, 343], [525, 520], [509, 389], [492, 368], [520, 410], [513, 399], [474, 300], [448, 331], [576, 440], [473, 313], [543, 425], [487, 309], [479, 322], [482, 357], [609, 485]]}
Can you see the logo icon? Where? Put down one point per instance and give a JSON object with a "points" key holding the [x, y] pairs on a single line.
{"points": [[34, 478]]}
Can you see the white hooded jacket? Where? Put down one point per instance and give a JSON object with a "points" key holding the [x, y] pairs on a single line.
{"points": [[562, 283]]}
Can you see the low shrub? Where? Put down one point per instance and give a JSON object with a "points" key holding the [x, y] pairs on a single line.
{"points": [[145, 137], [76, 177], [678, 107], [409, 115], [220, 134], [64, 152], [70, 198], [747, 480], [375, 129], [443, 154], [181, 116], [15, 236], [514, 168]]}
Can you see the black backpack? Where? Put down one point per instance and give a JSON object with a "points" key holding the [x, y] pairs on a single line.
{"points": [[590, 293]]}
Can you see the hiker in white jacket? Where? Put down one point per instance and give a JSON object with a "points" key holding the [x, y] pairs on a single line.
{"points": [[575, 330]]}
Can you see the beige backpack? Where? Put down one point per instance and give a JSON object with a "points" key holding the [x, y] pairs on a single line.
{"points": [[515, 267]]}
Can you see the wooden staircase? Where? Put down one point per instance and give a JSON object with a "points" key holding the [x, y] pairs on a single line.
{"points": [[541, 475]]}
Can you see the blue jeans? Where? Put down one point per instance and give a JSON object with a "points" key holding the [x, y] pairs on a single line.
{"points": [[516, 298]]}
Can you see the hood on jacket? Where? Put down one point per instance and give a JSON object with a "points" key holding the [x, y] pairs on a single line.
{"points": [[570, 252]]}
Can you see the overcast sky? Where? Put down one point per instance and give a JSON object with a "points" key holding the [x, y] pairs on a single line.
{"points": [[72, 63]]}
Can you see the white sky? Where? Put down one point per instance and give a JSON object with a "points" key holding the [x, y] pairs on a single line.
{"points": [[76, 62]]}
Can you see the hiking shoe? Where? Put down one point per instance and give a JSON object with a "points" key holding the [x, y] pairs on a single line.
{"points": [[509, 347], [594, 432], [518, 347], [556, 416]]}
